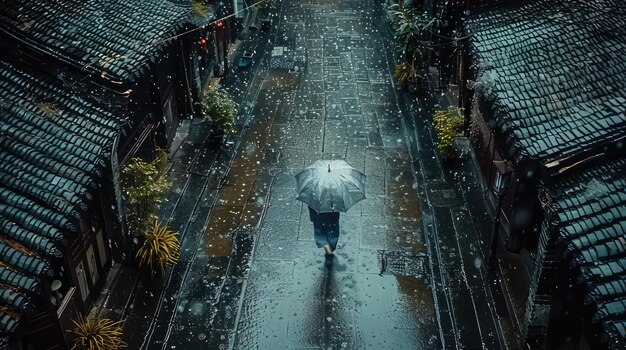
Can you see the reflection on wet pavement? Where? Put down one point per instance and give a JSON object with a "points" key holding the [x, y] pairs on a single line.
{"points": [[233, 207]]}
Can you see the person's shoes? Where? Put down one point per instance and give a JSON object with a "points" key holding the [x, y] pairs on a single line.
{"points": [[329, 260]]}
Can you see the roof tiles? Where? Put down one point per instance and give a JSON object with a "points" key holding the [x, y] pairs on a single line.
{"points": [[555, 73], [590, 210], [55, 142], [118, 36]]}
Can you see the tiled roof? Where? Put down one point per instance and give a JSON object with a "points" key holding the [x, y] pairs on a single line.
{"points": [[555, 74], [55, 139], [119, 36], [590, 211]]}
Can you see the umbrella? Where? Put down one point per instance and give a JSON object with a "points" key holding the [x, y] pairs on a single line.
{"points": [[330, 186]]}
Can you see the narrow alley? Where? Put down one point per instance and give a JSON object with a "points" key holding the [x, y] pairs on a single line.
{"points": [[408, 272]]}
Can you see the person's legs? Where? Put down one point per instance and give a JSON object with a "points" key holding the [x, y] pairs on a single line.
{"points": [[328, 249], [329, 255], [333, 238], [321, 240]]}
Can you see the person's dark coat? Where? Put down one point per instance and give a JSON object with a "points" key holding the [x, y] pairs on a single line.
{"points": [[325, 228]]}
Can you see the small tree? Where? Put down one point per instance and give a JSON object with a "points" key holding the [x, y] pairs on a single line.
{"points": [[448, 124], [143, 188], [97, 334], [219, 108], [410, 31], [160, 247]]}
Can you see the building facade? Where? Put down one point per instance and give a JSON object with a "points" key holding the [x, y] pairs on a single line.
{"points": [[541, 85], [84, 88], [55, 150]]}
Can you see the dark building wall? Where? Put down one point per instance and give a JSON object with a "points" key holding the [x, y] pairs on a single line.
{"points": [[221, 35], [198, 49], [484, 144], [163, 97], [556, 314], [185, 79], [168, 94], [39, 331], [543, 281], [521, 210], [140, 138], [113, 211], [201, 48]]}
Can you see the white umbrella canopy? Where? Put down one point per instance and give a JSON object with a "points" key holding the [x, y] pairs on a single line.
{"points": [[330, 186]]}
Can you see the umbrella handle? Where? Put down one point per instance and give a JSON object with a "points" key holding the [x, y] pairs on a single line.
{"points": [[329, 168]]}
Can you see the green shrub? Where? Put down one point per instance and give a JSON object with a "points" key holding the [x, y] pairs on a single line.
{"points": [[143, 188], [220, 109], [161, 160], [449, 125], [411, 30]]}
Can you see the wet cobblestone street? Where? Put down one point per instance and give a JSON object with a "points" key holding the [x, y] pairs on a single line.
{"points": [[344, 107]]}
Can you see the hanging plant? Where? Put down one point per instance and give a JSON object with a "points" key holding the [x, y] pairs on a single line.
{"points": [[143, 188], [448, 124], [160, 247], [97, 334], [199, 8], [220, 109]]}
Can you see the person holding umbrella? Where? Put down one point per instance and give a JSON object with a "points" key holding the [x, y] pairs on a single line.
{"points": [[325, 230], [329, 187]]}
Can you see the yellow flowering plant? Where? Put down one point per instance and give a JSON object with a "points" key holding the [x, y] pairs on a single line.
{"points": [[448, 124]]}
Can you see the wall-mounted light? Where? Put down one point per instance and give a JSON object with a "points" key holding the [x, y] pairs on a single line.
{"points": [[56, 298]]}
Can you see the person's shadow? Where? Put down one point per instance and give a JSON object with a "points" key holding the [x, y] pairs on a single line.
{"points": [[326, 324], [333, 324]]}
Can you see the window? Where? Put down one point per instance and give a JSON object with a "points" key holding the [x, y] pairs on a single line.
{"points": [[82, 281], [93, 266], [102, 253]]}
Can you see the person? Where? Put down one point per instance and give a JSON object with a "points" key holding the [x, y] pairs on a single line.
{"points": [[325, 231]]}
